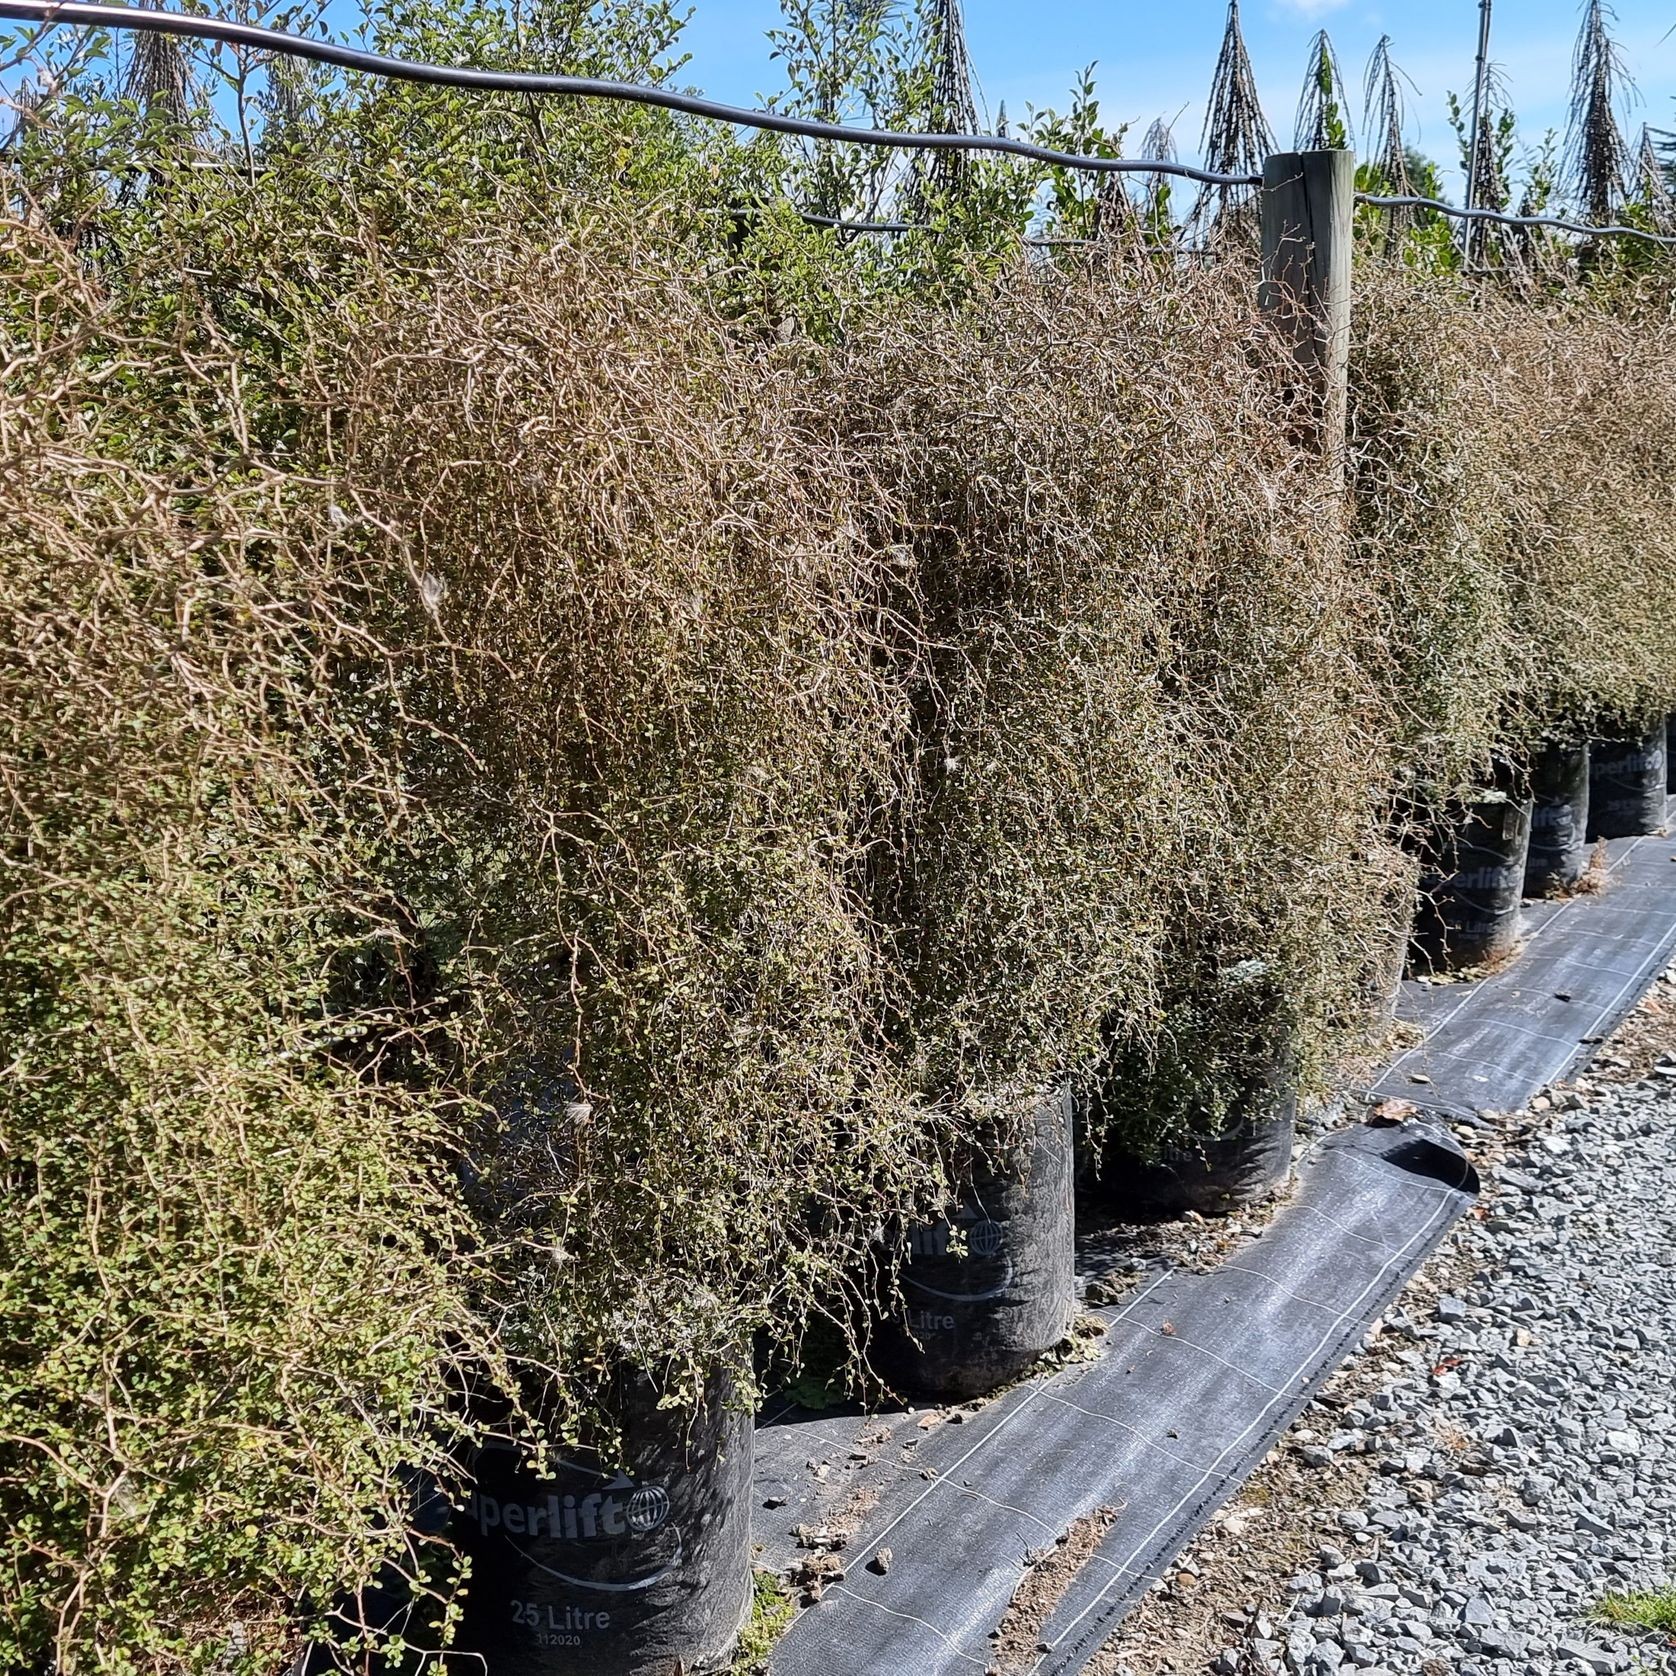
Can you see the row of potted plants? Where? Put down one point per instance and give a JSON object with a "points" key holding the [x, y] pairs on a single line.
{"points": [[1528, 834], [610, 1572]]}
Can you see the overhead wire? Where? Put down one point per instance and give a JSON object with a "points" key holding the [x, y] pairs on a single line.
{"points": [[1505, 220], [838, 225], [89, 14]]}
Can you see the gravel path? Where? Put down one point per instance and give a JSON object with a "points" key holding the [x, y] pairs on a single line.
{"points": [[1522, 1442]]}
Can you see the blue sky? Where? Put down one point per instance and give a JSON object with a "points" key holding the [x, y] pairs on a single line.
{"points": [[1155, 59]]}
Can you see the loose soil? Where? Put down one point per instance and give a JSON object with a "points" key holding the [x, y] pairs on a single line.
{"points": [[1049, 1572]]}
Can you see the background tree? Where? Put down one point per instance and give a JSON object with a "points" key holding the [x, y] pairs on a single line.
{"points": [[952, 106], [160, 78], [1489, 166], [1650, 192], [1074, 198], [1236, 139], [1391, 168], [1323, 123], [1597, 156], [1142, 214], [848, 61], [1383, 112]]}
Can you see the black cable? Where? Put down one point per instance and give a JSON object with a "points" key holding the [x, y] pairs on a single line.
{"points": [[1511, 220], [89, 16], [839, 226]]}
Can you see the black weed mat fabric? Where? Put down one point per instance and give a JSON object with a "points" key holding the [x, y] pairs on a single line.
{"points": [[1492, 1044], [1198, 1375]]}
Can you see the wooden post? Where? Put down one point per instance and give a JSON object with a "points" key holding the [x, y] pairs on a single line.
{"points": [[1307, 204]]}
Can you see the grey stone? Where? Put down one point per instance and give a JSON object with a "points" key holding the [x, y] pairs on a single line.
{"points": [[1585, 1652], [1484, 1561], [1502, 1643]]}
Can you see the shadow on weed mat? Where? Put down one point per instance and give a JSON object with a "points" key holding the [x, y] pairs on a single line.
{"points": [[934, 1526]]}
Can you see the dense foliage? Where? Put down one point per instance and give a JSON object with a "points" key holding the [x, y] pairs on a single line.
{"points": [[233, 1265], [1516, 453], [573, 744]]}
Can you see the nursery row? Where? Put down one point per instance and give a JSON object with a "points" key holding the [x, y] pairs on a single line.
{"points": [[984, 1294], [574, 847], [987, 1293]]}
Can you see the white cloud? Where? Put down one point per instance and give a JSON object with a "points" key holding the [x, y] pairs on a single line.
{"points": [[1310, 9]]}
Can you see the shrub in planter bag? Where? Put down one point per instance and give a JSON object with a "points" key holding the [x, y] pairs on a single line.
{"points": [[1627, 781], [1378, 979], [614, 1567], [1472, 878], [1559, 817], [988, 1292], [1247, 1157]]}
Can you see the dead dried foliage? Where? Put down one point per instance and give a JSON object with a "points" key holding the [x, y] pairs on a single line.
{"points": [[1142, 751], [1513, 490]]}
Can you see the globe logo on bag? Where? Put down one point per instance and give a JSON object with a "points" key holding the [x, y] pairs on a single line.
{"points": [[985, 1239], [647, 1509]]}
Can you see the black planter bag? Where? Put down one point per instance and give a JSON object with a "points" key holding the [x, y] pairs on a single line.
{"points": [[1248, 1160], [1380, 985], [1559, 847], [598, 1571], [1627, 782], [1669, 755], [1471, 880], [982, 1315]]}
